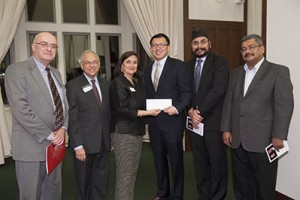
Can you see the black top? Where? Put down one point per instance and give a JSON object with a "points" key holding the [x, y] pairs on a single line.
{"points": [[126, 99]]}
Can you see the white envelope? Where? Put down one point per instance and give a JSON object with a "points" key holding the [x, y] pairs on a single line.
{"points": [[158, 103]]}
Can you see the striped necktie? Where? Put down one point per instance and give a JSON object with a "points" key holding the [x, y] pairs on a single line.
{"points": [[57, 102]]}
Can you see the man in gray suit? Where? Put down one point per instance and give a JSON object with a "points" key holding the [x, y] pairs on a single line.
{"points": [[88, 97], [257, 111], [34, 127]]}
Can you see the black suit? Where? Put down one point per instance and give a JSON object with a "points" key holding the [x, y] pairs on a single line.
{"points": [[89, 127], [209, 151], [166, 132]]}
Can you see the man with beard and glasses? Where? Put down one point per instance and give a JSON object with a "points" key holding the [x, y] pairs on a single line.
{"points": [[257, 111], [210, 74]]}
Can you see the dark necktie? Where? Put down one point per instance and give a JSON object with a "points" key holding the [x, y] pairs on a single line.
{"points": [[57, 102], [96, 91], [156, 77], [197, 74]]}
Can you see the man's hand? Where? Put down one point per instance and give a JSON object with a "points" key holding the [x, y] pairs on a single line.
{"points": [[59, 136], [171, 110], [80, 154], [227, 138], [195, 116], [277, 143]]}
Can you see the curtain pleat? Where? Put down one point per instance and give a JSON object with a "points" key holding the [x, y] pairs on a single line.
{"points": [[149, 17], [10, 16]]}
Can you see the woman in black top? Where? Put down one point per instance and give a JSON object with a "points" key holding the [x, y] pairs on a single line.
{"points": [[128, 126]]}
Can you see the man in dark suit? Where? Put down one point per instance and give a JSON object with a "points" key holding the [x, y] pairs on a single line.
{"points": [[36, 122], [257, 111], [88, 97], [210, 74], [167, 78]]}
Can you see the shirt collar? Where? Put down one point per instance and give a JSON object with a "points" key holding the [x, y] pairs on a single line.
{"points": [[162, 61], [255, 68], [40, 66], [90, 79]]}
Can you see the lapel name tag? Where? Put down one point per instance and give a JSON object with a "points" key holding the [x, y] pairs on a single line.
{"points": [[132, 89], [86, 88]]}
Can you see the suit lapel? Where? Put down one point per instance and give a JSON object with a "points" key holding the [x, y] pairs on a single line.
{"points": [[165, 71], [41, 83], [205, 69], [103, 90], [258, 76], [240, 82]]}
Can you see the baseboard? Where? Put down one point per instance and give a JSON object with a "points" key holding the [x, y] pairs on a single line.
{"points": [[279, 196]]}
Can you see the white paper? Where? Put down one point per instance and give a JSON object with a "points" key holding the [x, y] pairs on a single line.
{"points": [[158, 103], [198, 130], [273, 154]]}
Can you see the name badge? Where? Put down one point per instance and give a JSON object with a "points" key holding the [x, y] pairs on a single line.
{"points": [[86, 88], [132, 89]]}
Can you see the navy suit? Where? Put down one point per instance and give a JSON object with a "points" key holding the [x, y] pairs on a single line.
{"points": [[166, 132]]}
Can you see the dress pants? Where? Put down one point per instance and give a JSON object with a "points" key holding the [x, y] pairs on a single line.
{"points": [[210, 162], [35, 184], [164, 145], [254, 177], [92, 175], [128, 149]]}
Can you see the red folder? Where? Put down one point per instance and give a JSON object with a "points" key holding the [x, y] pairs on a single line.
{"points": [[54, 155]]}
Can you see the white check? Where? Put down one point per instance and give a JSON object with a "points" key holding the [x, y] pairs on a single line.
{"points": [[158, 103]]}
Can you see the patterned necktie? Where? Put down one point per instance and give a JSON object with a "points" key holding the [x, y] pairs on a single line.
{"points": [[156, 77], [57, 102], [197, 74], [96, 91]]}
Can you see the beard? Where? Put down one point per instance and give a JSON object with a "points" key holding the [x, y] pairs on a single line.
{"points": [[204, 50]]}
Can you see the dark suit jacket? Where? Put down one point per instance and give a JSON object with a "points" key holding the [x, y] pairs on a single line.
{"points": [[174, 83], [264, 112], [126, 100], [88, 121], [32, 108], [212, 87]]}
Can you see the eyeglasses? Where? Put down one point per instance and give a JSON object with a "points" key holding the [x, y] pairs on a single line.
{"points": [[160, 45], [90, 63], [251, 48], [197, 43], [46, 45]]}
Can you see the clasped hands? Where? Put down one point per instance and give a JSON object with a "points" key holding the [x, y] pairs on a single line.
{"points": [[195, 116], [58, 136]]}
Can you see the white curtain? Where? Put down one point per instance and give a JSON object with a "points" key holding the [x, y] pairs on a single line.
{"points": [[149, 17], [10, 15]]}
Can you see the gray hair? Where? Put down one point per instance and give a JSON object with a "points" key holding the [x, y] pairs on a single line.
{"points": [[256, 37]]}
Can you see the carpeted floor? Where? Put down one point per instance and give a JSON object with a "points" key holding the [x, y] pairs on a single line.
{"points": [[145, 184]]}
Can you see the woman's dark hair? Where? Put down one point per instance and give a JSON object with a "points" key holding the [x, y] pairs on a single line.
{"points": [[123, 57]]}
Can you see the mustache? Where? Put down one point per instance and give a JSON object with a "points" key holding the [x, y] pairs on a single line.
{"points": [[248, 54], [199, 48]]}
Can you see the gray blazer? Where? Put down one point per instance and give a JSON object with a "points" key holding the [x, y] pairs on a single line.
{"points": [[32, 109], [264, 112]]}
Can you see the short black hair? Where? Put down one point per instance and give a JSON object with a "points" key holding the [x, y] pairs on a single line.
{"points": [[159, 35]]}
